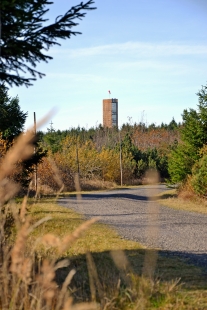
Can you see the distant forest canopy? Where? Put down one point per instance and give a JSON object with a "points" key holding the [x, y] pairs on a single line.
{"points": [[94, 153], [178, 151], [143, 136]]}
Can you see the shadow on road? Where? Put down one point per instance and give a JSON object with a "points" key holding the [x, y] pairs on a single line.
{"points": [[109, 196]]}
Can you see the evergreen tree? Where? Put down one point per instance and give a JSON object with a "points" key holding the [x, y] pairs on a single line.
{"points": [[12, 119], [172, 125], [194, 137], [181, 161], [25, 36], [199, 175], [51, 140]]}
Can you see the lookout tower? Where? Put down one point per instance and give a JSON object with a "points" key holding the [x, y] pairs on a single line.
{"points": [[110, 112]]}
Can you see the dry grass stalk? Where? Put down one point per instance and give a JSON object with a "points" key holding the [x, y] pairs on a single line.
{"points": [[62, 264], [82, 306], [57, 176], [70, 239], [63, 295], [46, 280], [26, 270], [3, 217], [21, 150], [150, 262], [77, 182], [68, 304], [23, 289], [8, 189], [93, 277], [14, 210], [51, 240], [152, 230], [40, 222], [123, 265], [23, 209], [17, 253], [85, 306], [78, 191], [120, 260]]}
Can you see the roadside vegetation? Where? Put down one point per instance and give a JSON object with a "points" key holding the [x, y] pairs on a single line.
{"points": [[187, 162], [65, 262], [94, 154], [50, 257], [183, 200], [176, 151]]}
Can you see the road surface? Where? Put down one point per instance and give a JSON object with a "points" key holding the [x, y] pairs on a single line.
{"points": [[135, 215]]}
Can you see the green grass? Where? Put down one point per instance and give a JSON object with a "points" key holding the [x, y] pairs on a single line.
{"points": [[102, 241], [98, 238]]}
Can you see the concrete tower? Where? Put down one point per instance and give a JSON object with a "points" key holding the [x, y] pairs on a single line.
{"points": [[110, 112]]}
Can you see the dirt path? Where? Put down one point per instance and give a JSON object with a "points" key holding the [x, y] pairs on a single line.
{"points": [[136, 216]]}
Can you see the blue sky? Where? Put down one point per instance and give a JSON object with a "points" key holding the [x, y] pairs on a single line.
{"points": [[151, 55]]}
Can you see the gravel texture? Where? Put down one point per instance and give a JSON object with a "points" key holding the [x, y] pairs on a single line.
{"points": [[135, 215]]}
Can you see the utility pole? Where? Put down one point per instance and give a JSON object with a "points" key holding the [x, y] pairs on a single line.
{"points": [[120, 157], [77, 175], [35, 166], [77, 158]]}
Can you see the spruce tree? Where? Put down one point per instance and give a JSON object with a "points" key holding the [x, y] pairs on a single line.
{"points": [[12, 118], [193, 136], [25, 36]]}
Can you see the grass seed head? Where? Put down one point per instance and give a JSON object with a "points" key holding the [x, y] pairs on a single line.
{"points": [[46, 280], [17, 253], [51, 240], [26, 270], [70, 239]]}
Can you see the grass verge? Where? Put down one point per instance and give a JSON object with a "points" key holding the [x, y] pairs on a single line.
{"points": [[98, 238], [106, 247], [172, 200]]}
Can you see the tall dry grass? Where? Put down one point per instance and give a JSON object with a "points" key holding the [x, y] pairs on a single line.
{"points": [[28, 282]]}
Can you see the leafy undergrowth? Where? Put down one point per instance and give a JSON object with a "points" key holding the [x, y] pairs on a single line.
{"points": [[114, 274]]}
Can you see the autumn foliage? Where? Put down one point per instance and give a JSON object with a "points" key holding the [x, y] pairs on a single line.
{"points": [[99, 154]]}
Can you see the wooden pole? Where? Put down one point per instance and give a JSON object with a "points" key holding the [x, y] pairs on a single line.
{"points": [[120, 153], [77, 158], [35, 167]]}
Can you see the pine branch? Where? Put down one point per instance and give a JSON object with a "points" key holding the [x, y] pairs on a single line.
{"points": [[24, 38]]}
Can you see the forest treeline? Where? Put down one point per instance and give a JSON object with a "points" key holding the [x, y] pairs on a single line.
{"points": [[100, 154], [178, 151]]}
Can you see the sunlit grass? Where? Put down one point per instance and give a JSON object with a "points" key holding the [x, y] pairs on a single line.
{"points": [[98, 238], [134, 291], [172, 200]]}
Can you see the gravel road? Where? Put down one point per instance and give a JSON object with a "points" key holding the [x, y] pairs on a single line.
{"points": [[135, 215]]}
